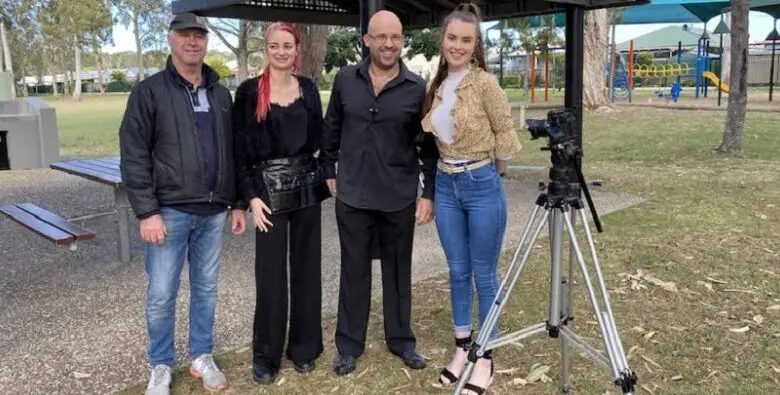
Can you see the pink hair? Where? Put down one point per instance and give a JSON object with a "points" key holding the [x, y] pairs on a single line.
{"points": [[264, 82]]}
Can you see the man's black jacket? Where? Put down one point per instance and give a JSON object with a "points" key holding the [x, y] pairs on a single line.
{"points": [[162, 160]]}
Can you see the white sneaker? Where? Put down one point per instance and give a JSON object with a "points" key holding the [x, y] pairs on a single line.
{"points": [[160, 381], [205, 368]]}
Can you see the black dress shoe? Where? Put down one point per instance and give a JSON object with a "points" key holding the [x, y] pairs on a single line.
{"points": [[412, 359], [303, 366], [263, 373], [344, 365]]}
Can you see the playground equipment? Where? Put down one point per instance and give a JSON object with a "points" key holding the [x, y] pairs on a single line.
{"points": [[674, 93], [622, 75], [724, 87], [662, 70], [532, 77]]}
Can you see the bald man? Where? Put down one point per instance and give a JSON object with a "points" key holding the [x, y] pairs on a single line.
{"points": [[371, 131]]}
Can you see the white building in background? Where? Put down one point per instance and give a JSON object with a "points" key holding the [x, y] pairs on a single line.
{"points": [[423, 67]]}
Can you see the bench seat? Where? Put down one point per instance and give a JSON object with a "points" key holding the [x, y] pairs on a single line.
{"points": [[46, 224]]}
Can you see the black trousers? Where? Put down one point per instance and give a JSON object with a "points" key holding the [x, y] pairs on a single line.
{"points": [[395, 234], [271, 308]]}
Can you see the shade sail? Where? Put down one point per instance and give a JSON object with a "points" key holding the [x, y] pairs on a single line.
{"points": [[678, 11]]}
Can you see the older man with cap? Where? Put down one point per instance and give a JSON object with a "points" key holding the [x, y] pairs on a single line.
{"points": [[176, 161]]}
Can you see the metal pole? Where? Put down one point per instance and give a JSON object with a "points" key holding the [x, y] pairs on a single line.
{"points": [[772, 71], [679, 60], [367, 8], [720, 79], [707, 64], [501, 54], [630, 70], [612, 66], [698, 67], [532, 79], [546, 74], [575, 26]]}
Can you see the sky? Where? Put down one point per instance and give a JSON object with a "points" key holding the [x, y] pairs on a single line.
{"points": [[760, 25]]}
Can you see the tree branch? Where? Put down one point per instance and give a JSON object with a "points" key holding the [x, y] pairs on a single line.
{"points": [[221, 37]]}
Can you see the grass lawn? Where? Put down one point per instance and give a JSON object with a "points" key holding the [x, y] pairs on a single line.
{"points": [[693, 271]]}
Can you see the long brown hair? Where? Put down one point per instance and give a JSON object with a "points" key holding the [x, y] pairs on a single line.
{"points": [[464, 12]]}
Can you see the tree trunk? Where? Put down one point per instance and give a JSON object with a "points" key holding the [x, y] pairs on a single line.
{"points": [[737, 108], [243, 64], [66, 87], [101, 67], [726, 60], [314, 40], [7, 57], [242, 52], [138, 49], [77, 87], [596, 33]]}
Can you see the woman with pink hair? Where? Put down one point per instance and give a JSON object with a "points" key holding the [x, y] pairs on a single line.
{"points": [[277, 121]]}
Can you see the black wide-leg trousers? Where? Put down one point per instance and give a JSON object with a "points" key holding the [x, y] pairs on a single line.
{"points": [[305, 309], [395, 234]]}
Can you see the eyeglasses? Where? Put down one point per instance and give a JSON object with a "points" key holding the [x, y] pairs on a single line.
{"points": [[395, 38]]}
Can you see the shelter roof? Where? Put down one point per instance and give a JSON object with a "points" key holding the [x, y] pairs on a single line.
{"points": [[667, 37], [413, 13]]}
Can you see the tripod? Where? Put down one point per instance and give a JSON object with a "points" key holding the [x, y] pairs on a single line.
{"points": [[555, 209]]}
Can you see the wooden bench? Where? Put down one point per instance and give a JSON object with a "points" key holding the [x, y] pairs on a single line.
{"points": [[46, 224]]}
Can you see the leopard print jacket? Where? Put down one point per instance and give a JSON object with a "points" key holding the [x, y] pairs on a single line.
{"points": [[482, 118]]}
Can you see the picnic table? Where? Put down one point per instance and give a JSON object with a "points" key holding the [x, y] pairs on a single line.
{"points": [[104, 171]]}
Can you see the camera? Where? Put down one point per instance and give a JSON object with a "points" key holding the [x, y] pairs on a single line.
{"points": [[558, 126]]}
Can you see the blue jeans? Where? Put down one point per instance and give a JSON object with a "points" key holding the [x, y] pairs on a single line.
{"points": [[200, 237], [471, 215]]}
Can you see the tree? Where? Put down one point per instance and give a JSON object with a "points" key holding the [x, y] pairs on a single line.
{"points": [[343, 48], [314, 39], [737, 107], [148, 19], [219, 66], [80, 24], [248, 35], [423, 42], [594, 68]]}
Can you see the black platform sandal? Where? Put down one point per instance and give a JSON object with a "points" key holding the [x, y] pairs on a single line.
{"points": [[463, 343], [471, 388]]}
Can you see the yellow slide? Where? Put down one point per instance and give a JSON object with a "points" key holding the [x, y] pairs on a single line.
{"points": [[714, 78]]}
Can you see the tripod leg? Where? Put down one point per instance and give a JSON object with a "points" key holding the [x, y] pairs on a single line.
{"points": [[609, 317], [482, 342], [556, 236], [568, 313], [617, 360]]}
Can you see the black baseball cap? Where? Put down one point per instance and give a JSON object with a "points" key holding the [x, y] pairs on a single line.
{"points": [[188, 20]]}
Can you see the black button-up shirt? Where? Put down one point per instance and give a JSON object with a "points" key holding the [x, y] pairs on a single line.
{"points": [[377, 140]]}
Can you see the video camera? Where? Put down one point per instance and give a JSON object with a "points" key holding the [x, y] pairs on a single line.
{"points": [[566, 158], [558, 126]]}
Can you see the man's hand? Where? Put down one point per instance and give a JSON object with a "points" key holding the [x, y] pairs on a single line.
{"points": [[258, 214], [153, 230], [238, 221], [331, 186], [424, 212]]}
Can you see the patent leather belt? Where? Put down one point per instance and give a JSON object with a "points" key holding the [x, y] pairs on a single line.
{"points": [[292, 183], [453, 168]]}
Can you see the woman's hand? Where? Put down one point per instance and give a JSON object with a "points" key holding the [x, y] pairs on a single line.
{"points": [[501, 166], [258, 214]]}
